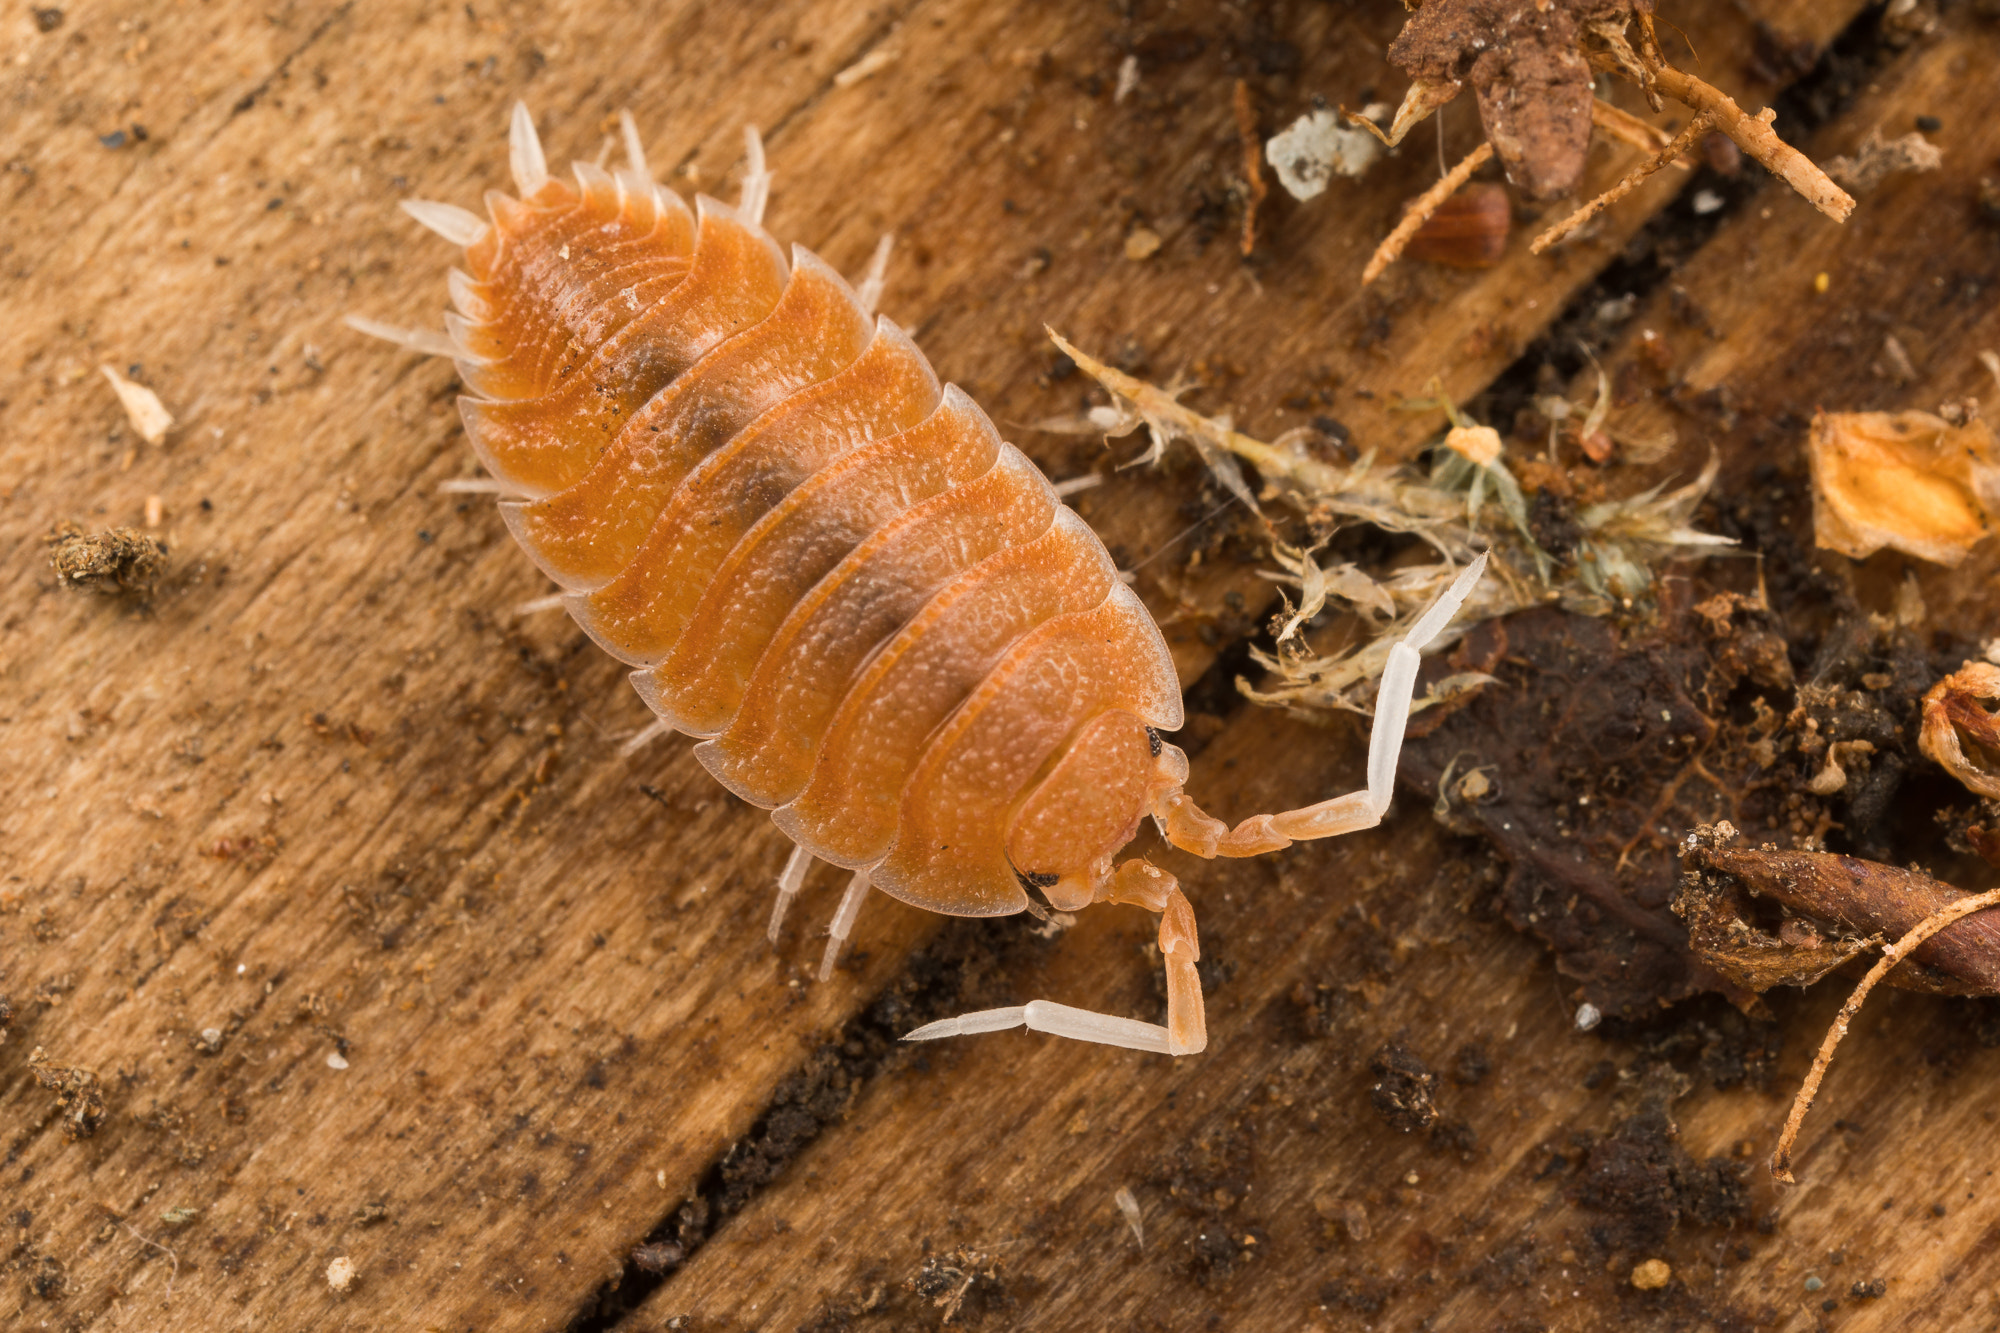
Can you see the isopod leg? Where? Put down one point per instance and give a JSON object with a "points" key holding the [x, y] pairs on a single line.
{"points": [[843, 921], [1186, 1032], [869, 293], [790, 880], [1191, 830]]}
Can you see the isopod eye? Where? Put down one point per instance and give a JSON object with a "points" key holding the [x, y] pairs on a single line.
{"points": [[1153, 742]]}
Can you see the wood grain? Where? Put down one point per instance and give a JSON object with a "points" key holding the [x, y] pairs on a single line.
{"points": [[326, 797]]}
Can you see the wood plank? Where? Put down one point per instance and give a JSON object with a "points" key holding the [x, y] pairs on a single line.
{"points": [[325, 797]]}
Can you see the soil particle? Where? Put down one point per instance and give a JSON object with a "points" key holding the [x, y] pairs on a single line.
{"points": [[78, 1095], [964, 1287], [116, 562], [1403, 1089]]}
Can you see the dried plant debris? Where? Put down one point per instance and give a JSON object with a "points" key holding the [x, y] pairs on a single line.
{"points": [[1828, 909], [1961, 726], [1907, 480], [142, 406], [1532, 66], [78, 1095], [1765, 918], [1878, 158], [116, 562], [1468, 501]]}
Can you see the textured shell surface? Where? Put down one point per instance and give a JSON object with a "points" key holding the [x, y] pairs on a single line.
{"points": [[875, 614]]}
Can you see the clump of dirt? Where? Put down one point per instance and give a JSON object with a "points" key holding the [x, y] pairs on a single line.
{"points": [[78, 1095], [1404, 1088], [1646, 1184], [1601, 744], [118, 562], [964, 1286], [1207, 1179]]}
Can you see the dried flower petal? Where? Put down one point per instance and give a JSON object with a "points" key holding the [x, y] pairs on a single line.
{"points": [[1908, 480], [1961, 729], [142, 406]]}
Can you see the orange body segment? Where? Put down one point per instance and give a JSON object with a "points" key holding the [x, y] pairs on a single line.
{"points": [[766, 755], [637, 615], [950, 853], [1088, 803], [697, 685], [547, 443], [848, 811], [586, 534]]}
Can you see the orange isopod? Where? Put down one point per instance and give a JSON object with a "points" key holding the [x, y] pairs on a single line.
{"points": [[878, 617]]}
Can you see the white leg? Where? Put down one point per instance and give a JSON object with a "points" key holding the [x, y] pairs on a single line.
{"points": [[790, 880], [843, 921], [455, 224], [424, 342], [635, 152], [1399, 684], [524, 153], [1191, 830], [756, 180], [537, 605], [870, 290], [475, 486], [1056, 1019], [645, 736]]}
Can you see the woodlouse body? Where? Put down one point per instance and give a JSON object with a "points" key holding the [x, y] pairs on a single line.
{"points": [[876, 615]]}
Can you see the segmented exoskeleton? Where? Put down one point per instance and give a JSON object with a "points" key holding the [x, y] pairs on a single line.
{"points": [[877, 615]]}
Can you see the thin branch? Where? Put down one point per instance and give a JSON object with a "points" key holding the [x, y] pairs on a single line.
{"points": [[1426, 204], [1753, 134], [1697, 127], [1781, 1159], [1628, 128]]}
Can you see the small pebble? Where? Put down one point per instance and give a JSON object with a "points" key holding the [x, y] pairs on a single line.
{"points": [[1588, 1016], [1814, 1284], [335, 1060], [1706, 202], [1141, 243], [340, 1274], [1652, 1275]]}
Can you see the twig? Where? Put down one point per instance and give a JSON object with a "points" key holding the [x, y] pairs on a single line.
{"points": [[1697, 127], [1628, 128], [1253, 163], [1781, 1159], [1426, 203], [1753, 134]]}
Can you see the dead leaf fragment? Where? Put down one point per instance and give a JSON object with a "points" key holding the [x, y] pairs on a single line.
{"points": [[1908, 480], [1961, 729], [142, 406]]}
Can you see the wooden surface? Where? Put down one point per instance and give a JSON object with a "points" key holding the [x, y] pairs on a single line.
{"points": [[326, 797]]}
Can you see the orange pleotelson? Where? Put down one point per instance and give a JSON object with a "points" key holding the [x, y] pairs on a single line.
{"points": [[875, 614]]}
